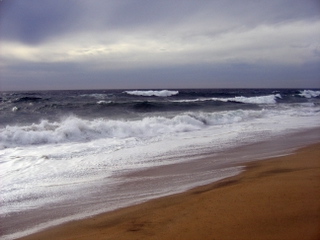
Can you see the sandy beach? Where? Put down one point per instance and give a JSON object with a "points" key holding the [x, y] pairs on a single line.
{"points": [[277, 198]]}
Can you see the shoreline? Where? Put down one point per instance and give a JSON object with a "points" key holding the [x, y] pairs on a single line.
{"points": [[279, 198]]}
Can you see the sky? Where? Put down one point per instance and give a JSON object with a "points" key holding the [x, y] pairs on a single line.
{"points": [[160, 44]]}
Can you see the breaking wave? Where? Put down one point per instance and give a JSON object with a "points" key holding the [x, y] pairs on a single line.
{"points": [[309, 93], [150, 93], [269, 99], [74, 129]]}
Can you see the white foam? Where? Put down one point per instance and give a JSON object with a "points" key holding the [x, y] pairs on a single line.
{"points": [[103, 102], [95, 95], [309, 93], [162, 93], [269, 99], [75, 129], [55, 158]]}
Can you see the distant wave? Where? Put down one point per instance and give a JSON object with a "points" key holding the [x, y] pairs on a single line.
{"points": [[28, 99], [269, 99], [149, 93], [309, 93], [95, 95], [102, 102]]}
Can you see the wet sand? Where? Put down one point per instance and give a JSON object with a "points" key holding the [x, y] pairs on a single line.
{"points": [[278, 198]]}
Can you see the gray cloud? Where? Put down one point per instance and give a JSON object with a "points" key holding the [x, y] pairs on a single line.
{"points": [[147, 44], [30, 76], [34, 21]]}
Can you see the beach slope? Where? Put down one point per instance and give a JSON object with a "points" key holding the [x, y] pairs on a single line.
{"points": [[278, 198]]}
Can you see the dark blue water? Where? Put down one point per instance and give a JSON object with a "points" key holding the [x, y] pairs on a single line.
{"points": [[32, 107]]}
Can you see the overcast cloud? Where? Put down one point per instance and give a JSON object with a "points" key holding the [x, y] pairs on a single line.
{"points": [[77, 44]]}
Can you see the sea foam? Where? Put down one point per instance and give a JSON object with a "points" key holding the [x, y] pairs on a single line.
{"points": [[309, 93], [83, 153], [76, 129], [268, 99], [162, 93]]}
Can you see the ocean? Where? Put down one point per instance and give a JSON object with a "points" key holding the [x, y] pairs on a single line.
{"points": [[67, 155]]}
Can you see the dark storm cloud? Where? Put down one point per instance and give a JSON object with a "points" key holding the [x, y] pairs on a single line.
{"points": [[34, 21]]}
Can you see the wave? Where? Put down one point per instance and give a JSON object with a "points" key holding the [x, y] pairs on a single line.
{"points": [[309, 94], [75, 129], [269, 99], [95, 95], [150, 93], [14, 109], [103, 102], [28, 99]]}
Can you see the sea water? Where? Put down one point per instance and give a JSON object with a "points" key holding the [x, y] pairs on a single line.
{"points": [[71, 154]]}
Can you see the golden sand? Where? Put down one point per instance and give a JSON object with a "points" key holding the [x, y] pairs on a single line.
{"points": [[278, 198]]}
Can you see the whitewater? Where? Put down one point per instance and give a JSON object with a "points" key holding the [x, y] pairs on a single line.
{"points": [[66, 155]]}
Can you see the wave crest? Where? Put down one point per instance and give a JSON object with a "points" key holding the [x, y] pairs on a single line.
{"points": [[309, 94], [269, 99], [74, 129], [150, 93]]}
